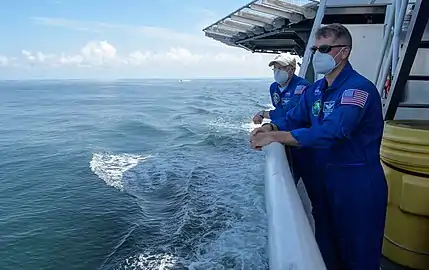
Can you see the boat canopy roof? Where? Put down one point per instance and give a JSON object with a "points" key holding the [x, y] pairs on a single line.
{"points": [[274, 26]]}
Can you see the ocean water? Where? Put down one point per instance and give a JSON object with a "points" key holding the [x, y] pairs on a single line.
{"points": [[132, 174]]}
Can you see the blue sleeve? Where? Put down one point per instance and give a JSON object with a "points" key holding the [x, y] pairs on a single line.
{"points": [[297, 92], [272, 90], [341, 123], [278, 112], [278, 109], [297, 117]]}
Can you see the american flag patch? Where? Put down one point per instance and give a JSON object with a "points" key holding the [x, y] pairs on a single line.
{"points": [[354, 97], [300, 89]]}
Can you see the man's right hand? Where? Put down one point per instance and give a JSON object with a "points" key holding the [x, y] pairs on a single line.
{"points": [[257, 119]]}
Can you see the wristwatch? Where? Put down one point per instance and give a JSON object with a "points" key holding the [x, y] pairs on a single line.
{"points": [[269, 124], [262, 114]]}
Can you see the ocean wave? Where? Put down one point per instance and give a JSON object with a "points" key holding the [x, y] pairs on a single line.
{"points": [[111, 168], [190, 209]]}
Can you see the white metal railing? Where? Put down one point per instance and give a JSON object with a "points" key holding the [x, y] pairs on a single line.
{"points": [[292, 244], [388, 62], [290, 236], [386, 41], [400, 8]]}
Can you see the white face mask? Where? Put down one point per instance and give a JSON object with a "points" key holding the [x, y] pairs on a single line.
{"points": [[324, 63], [280, 76]]}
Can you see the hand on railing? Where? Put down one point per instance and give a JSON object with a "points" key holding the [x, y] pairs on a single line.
{"points": [[258, 118], [260, 137]]}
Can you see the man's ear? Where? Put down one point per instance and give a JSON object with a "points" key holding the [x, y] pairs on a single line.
{"points": [[346, 53]]}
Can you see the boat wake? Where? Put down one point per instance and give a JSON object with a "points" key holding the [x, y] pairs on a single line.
{"points": [[202, 207]]}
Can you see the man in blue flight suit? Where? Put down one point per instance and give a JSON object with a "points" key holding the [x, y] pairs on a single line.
{"points": [[286, 89], [345, 115], [285, 93]]}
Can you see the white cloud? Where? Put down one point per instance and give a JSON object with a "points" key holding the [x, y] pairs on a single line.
{"points": [[176, 60], [138, 57], [28, 55], [4, 61], [98, 53], [161, 53], [37, 57], [66, 60]]}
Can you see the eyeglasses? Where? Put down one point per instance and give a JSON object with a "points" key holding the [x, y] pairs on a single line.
{"points": [[326, 48], [287, 69]]}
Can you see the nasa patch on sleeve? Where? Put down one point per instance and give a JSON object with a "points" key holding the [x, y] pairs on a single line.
{"points": [[276, 98]]}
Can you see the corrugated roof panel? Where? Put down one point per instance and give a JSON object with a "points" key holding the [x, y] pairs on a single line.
{"points": [[306, 12], [284, 25], [238, 25], [258, 18], [271, 9], [267, 18], [248, 20], [263, 12]]}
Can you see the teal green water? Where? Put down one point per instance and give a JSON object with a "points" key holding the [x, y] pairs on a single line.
{"points": [[131, 175]]}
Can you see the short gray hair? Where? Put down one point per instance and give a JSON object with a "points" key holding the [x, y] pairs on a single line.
{"points": [[338, 31]]}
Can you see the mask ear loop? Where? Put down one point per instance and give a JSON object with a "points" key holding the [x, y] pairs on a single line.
{"points": [[290, 73], [338, 62]]}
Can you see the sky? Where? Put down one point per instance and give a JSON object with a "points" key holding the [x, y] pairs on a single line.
{"points": [[59, 39]]}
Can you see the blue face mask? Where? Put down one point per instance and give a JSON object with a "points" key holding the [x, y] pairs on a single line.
{"points": [[280, 76], [324, 63]]}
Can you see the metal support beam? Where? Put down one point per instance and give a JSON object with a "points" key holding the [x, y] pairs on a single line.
{"points": [[413, 105], [412, 43], [424, 44], [316, 24], [260, 36], [220, 33]]}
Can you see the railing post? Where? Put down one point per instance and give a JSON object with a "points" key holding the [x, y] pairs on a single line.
{"points": [[316, 24]]}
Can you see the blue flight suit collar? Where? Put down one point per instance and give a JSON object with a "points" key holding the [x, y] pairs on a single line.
{"points": [[286, 88], [340, 79]]}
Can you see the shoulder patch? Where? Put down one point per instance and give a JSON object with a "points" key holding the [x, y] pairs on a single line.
{"points": [[300, 89], [354, 97], [276, 98]]}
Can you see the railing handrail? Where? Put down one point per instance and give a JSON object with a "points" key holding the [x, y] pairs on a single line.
{"points": [[291, 241]]}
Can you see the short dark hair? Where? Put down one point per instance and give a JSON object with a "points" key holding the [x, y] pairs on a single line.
{"points": [[339, 31]]}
